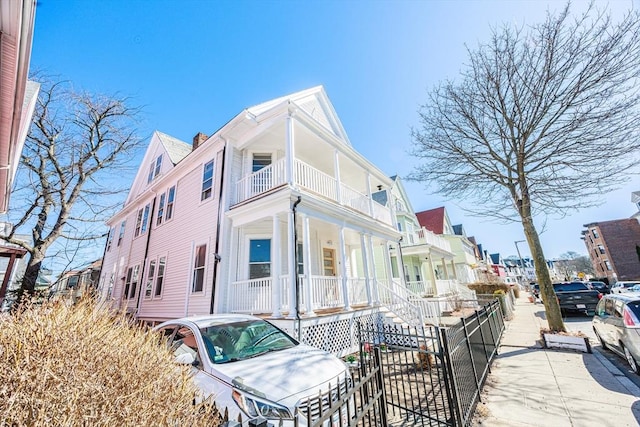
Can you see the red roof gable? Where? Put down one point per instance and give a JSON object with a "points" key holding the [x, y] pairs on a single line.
{"points": [[432, 220]]}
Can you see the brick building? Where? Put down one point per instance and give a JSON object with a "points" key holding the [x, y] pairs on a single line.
{"points": [[614, 248]]}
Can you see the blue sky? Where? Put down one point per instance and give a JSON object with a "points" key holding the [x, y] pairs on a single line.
{"points": [[194, 65]]}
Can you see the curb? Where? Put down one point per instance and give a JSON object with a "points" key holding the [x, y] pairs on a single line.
{"points": [[617, 374]]}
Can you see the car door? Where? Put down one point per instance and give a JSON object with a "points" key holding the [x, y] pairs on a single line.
{"points": [[607, 321], [187, 346], [616, 324]]}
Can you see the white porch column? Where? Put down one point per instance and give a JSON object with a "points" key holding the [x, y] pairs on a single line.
{"points": [[373, 279], [306, 259], [343, 269], [276, 269], [291, 262], [453, 268], [289, 151], [336, 173], [365, 267], [369, 194], [387, 264], [432, 274]]}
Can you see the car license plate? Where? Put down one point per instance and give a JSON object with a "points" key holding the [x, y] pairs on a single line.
{"points": [[581, 306]]}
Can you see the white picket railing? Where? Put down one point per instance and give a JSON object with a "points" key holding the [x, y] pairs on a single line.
{"points": [[446, 287], [311, 179], [357, 290], [261, 181], [424, 236], [251, 296], [422, 287], [326, 292]]}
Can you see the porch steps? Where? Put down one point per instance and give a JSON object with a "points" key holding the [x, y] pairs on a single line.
{"points": [[391, 318]]}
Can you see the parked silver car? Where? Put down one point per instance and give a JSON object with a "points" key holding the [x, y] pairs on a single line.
{"points": [[620, 287], [255, 370], [617, 325]]}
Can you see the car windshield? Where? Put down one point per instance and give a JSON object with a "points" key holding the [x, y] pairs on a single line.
{"points": [[231, 342], [634, 306], [630, 284], [569, 287]]}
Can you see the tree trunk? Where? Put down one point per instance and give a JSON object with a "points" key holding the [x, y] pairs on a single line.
{"points": [[551, 306], [31, 276]]}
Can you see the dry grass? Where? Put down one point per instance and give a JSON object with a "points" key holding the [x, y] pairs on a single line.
{"points": [[81, 365]]}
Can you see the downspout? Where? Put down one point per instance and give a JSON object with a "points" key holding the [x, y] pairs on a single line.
{"points": [[146, 254], [216, 255], [295, 263]]}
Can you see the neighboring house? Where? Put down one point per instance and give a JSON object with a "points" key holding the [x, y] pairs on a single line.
{"points": [[72, 285], [17, 102], [498, 266], [427, 259], [614, 248], [274, 214], [635, 199], [13, 264], [464, 263]]}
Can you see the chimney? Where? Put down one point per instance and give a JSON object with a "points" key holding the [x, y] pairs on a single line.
{"points": [[198, 140]]}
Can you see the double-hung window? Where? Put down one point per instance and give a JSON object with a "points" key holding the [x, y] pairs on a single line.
{"points": [[198, 268], [207, 181], [121, 235], [162, 262], [154, 169], [259, 258], [145, 219], [160, 209], [151, 272], [110, 238], [171, 197]]}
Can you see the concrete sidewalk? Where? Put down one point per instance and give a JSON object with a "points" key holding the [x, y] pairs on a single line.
{"points": [[533, 386]]}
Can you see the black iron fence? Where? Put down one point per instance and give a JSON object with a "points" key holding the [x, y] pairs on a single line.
{"points": [[407, 376]]}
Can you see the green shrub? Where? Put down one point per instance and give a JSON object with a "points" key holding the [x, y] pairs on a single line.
{"points": [[82, 365]]}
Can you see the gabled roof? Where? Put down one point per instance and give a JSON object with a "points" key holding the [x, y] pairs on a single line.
{"points": [[432, 219], [313, 101], [176, 149]]}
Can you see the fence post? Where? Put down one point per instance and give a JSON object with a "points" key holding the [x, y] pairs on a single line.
{"points": [[484, 344], [451, 386], [473, 364], [378, 364]]}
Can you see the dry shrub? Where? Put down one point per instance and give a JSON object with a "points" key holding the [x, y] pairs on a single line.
{"points": [[488, 288], [82, 365]]}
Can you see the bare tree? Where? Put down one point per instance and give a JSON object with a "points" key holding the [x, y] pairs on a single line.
{"points": [[572, 263], [69, 179], [537, 124]]}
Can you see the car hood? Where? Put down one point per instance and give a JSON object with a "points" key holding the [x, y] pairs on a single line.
{"points": [[284, 376]]}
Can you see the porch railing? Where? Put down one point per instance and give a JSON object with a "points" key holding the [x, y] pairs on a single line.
{"points": [[261, 181], [447, 287], [357, 291], [400, 303], [311, 179], [422, 287], [326, 292], [251, 296], [426, 237]]}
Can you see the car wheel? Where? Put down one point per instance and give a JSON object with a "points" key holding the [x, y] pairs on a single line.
{"points": [[632, 362], [602, 343]]}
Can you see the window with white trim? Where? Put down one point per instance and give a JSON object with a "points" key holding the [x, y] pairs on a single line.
{"points": [[259, 258], [160, 209], [162, 262], [151, 272], [112, 231], [145, 219], [207, 181], [171, 197], [121, 235], [138, 223], [134, 282], [199, 268], [154, 169]]}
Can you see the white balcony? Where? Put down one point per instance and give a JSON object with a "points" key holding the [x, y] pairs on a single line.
{"points": [[426, 237], [313, 180]]}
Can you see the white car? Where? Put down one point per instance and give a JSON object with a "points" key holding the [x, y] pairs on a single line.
{"points": [[252, 368], [620, 287]]}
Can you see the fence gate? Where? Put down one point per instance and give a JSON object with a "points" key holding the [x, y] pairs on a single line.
{"points": [[416, 378]]}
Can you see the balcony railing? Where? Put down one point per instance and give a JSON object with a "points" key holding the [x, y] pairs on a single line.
{"points": [[313, 180], [426, 237]]}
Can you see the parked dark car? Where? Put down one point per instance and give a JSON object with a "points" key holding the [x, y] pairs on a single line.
{"points": [[576, 297], [599, 286], [617, 326]]}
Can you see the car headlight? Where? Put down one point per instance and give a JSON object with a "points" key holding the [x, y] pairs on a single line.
{"points": [[255, 407]]}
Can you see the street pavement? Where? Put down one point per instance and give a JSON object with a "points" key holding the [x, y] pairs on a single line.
{"points": [[533, 386]]}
